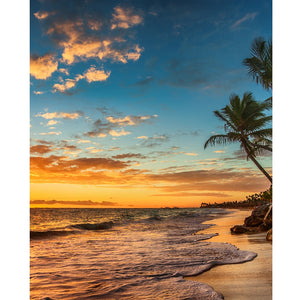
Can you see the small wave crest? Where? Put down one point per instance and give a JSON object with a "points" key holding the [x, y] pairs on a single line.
{"points": [[34, 235], [97, 226]]}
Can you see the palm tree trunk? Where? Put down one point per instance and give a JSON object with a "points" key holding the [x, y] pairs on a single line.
{"points": [[259, 166]]}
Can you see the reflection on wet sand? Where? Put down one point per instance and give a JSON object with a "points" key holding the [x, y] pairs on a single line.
{"points": [[250, 280]]}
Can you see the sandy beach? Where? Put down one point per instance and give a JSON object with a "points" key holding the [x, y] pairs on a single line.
{"points": [[250, 280]]}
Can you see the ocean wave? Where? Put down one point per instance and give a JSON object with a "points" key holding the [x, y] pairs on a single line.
{"points": [[49, 233], [97, 226]]}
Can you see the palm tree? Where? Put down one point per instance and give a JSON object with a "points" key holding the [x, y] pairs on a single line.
{"points": [[245, 122], [260, 63]]}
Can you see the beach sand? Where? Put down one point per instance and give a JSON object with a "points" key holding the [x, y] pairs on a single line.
{"points": [[250, 280]]}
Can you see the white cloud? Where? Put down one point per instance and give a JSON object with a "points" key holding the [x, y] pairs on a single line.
{"points": [[59, 115], [38, 92], [118, 133], [249, 16], [51, 133], [52, 122], [83, 141]]}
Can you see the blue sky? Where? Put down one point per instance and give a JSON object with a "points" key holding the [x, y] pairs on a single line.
{"points": [[134, 84]]}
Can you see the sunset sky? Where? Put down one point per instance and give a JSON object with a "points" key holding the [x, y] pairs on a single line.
{"points": [[122, 95]]}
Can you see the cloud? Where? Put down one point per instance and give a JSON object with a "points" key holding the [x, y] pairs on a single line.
{"points": [[38, 92], [73, 202], [130, 120], [51, 133], [42, 67], [95, 24], [83, 141], [119, 133], [77, 33], [154, 141], [62, 169], [248, 16], [40, 149], [125, 18], [189, 194], [63, 70], [190, 154], [219, 151], [102, 128], [90, 75], [96, 75], [52, 122], [129, 155], [145, 81], [62, 87], [58, 164], [60, 115], [41, 15], [93, 150], [214, 180], [144, 137]]}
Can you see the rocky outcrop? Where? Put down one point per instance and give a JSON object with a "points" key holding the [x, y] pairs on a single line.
{"points": [[259, 221]]}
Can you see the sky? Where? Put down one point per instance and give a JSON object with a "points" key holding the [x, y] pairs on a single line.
{"points": [[122, 95]]}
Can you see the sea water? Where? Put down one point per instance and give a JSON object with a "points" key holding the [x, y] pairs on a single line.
{"points": [[124, 253]]}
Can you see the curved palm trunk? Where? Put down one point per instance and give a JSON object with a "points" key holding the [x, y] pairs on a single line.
{"points": [[258, 165]]}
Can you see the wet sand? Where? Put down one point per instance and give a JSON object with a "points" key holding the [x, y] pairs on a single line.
{"points": [[251, 280]]}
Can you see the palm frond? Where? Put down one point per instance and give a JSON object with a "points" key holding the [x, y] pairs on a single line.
{"points": [[221, 139]]}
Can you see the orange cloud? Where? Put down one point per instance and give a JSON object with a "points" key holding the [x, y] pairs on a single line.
{"points": [[41, 15], [40, 149], [188, 194], [72, 203], [79, 43], [125, 18], [42, 67], [96, 75], [90, 75], [95, 24], [62, 163], [62, 87]]}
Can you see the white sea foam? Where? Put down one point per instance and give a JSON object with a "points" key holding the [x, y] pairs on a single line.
{"points": [[143, 254]]}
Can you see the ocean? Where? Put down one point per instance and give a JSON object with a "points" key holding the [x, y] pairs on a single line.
{"points": [[124, 253]]}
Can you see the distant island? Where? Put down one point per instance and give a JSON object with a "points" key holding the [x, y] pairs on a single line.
{"points": [[250, 202]]}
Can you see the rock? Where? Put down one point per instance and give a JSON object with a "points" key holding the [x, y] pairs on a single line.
{"points": [[257, 218], [261, 210], [269, 235], [253, 221], [237, 229]]}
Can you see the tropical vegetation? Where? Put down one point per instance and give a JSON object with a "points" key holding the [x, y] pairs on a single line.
{"points": [[246, 123], [259, 64]]}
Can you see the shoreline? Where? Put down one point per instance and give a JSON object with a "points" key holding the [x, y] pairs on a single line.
{"points": [[249, 280]]}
